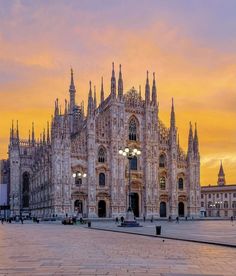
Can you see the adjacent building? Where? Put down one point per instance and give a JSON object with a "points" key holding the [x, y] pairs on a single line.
{"points": [[219, 200], [4, 188], [164, 179]]}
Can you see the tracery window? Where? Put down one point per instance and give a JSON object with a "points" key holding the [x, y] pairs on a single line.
{"points": [[133, 164], [132, 130], [102, 179], [162, 183], [162, 161], [181, 183], [101, 155]]}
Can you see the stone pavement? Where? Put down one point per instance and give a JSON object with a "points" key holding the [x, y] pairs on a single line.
{"points": [[219, 232], [55, 249]]}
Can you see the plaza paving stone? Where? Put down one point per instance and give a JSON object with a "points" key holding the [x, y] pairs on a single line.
{"points": [[55, 249], [212, 231]]}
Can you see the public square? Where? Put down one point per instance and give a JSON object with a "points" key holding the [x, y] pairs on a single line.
{"points": [[55, 249]]}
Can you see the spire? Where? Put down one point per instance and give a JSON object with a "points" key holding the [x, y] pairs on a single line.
{"points": [[190, 139], [72, 85], [29, 137], [82, 108], [65, 107], [40, 140], [17, 130], [44, 136], [195, 141], [72, 91], [90, 101], [113, 82], [221, 176], [102, 91], [140, 96], [33, 137], [120, 84], [147, 91], [172, 116], [12, 130], [48, 135], [154, 91], [56, 111], [95, 97]]}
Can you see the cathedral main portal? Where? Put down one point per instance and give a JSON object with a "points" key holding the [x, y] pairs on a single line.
{"points": [[135, 204]]}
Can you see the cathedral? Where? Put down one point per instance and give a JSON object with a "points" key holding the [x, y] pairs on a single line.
{"points": [[75, 168]]}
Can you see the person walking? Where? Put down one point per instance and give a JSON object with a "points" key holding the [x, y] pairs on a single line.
{"points": [[2, 220], [177, 219], [21, 219]]}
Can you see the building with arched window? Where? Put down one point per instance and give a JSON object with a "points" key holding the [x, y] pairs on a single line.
{"points": [[87, 146], [219, 200]]}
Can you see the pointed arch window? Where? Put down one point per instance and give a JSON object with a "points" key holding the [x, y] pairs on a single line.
{"points": [[101, 155], [134, 163], [132, 130], [162, 183], [102, 179], [162, 161], [181, 183]]}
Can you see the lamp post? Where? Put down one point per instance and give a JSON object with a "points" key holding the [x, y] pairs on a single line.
{"points": [[129, 153]]}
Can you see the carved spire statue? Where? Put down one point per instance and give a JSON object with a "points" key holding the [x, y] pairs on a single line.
{"points": [[172, 116], [102, 91], [113, 82], [90, 101], [120, 85], [154, 91], [147, 91], [72, 91], [95, 98]]}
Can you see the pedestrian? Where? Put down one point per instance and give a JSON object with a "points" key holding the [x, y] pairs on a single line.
{"points": [[177, 219], [117, 220], [144, 218], [2, 220], [232, 218], [122, 219], [151, 218], [22, 220], [169, 219], [186, 218]]}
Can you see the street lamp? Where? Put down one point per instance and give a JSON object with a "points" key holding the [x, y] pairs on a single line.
{"points": [[129, 154], [78, 177]]}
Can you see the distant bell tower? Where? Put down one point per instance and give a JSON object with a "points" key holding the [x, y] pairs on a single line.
{"points": [[221, 176]]}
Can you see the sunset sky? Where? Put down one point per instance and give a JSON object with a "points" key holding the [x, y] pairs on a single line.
{"points": [[191, 45]]}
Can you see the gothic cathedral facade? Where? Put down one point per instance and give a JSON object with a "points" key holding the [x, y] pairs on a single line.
{"points": [[75, 167]]}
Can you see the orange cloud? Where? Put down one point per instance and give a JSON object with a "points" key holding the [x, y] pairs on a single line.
{"points": [[201, 79]]}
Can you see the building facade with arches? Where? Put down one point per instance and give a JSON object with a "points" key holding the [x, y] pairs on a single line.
{"points": [[218, 200], [165, 181]]}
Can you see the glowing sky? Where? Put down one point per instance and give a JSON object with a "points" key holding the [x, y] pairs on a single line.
{"points": [[191, 45]]}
